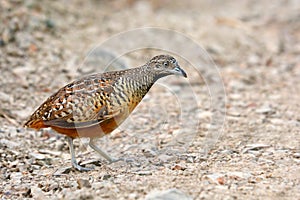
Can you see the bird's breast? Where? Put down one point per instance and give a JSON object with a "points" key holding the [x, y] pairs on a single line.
{"points": [[129, 93]]}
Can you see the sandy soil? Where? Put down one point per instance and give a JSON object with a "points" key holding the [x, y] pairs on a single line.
{"points": [[255, 46]]}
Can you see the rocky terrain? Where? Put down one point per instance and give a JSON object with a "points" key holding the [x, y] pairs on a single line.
{"points": [[249, 66]]}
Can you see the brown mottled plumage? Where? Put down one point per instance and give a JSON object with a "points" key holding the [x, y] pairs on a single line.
{"points": [[95, 105]]}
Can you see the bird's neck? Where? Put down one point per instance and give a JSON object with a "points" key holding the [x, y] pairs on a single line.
{"points": [[140, 80], [144, 79]]}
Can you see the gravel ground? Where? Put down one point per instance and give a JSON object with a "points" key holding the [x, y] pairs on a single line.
{"points": [[256, 46]]}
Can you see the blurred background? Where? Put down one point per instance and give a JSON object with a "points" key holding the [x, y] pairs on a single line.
{"points": [[254, 44]]}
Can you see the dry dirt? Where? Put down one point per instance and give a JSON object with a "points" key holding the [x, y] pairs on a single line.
{"points": [[256, 46]]}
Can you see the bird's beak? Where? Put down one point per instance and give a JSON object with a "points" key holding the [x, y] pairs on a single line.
{"points": [[178, 71]]}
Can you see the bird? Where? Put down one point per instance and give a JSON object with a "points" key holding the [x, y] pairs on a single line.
{"points": [[95, 105]]}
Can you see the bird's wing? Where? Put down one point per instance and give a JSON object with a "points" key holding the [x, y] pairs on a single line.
{"points": [[80, 104], [86, 120], [62, 123]]}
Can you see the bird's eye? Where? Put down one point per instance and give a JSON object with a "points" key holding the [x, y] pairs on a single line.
{"points": [[166, 64]]}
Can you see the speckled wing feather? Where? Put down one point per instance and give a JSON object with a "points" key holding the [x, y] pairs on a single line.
{"points": [[82, 103]]}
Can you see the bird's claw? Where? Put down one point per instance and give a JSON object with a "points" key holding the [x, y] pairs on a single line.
{"points": [[113, 160], [81, 168]]}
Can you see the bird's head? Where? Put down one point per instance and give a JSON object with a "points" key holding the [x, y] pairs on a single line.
{"points": [[164, 65]]}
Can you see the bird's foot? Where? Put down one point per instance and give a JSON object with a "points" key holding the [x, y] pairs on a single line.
{"points": [[113, 160], [81, 168]]}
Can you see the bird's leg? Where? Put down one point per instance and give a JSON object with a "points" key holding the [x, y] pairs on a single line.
{"points": [[101, 152], [73, 159]]}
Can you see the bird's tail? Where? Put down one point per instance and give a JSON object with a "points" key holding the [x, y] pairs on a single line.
{"points": [[35, 123]]}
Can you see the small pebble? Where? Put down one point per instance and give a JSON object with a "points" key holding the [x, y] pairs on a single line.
{"points": [[83, 183], [62, 170], [144, 173], [296, 155], [169, 194]]}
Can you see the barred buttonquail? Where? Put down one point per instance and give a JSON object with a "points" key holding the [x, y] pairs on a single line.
{"points": [[95, 105]]}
